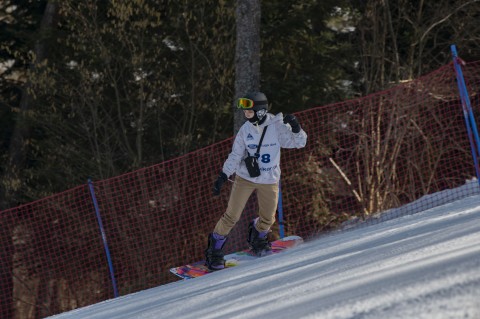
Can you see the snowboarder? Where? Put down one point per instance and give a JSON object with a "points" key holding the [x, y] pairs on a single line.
{"points": [[256, 163]]}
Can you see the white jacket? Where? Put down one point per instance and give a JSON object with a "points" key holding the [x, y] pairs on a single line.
{"points": [[278, 135]]}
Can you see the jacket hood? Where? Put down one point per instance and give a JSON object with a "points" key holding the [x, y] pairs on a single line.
{"points": [[271, 118]]}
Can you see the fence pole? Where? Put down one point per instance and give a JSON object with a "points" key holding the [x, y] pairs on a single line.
{"points": [[104, 238], [470, 123], [280, 210]]}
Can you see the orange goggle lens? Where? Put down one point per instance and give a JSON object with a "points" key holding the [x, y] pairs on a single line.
{"points": [[244, 103]]}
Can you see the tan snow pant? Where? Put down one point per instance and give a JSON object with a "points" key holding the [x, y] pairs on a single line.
{"points": [[267, 195]]}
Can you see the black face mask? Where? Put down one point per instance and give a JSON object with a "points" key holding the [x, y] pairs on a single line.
{"points": [[256, 120]]}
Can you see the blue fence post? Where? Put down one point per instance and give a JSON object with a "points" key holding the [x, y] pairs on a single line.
{"points": [[104, 238], [472, 130], [280, 210]]}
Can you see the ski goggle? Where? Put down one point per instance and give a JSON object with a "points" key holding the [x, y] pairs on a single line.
{"points": [[244, 103], [247, 104]]}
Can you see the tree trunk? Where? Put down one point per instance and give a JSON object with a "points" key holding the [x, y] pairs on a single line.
{"points": [[247, 53], [17, 156]]}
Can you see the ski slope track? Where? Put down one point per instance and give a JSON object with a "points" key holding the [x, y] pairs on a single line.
{"points": [[425, 265]]}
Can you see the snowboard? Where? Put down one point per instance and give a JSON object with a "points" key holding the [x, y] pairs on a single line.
{"points": [[199, 269]]}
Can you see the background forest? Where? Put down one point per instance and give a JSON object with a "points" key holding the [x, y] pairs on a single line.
{"points": [[99, 88]]}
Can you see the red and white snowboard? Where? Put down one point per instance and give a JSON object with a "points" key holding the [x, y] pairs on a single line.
{"points": [[199, 269]]}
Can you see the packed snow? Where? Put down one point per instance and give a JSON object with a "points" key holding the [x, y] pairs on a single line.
{"points": [[422, 265]]}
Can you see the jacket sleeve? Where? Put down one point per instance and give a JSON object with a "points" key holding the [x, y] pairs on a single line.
{"points": [[288, 139], [236, 155]]}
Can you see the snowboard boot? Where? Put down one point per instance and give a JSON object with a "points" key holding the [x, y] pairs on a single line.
{"points": [[214, 254], [258, 241]]}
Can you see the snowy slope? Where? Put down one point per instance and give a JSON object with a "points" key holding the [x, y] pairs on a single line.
{"points": [[425, 265]]}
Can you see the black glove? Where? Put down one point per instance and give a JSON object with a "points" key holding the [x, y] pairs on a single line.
{"points": [[217, 186], [292, 120]]}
